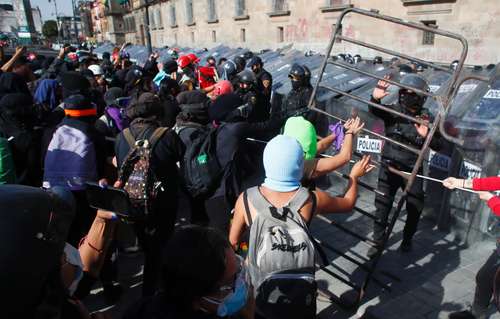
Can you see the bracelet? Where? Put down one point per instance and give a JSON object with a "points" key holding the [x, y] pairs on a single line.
{"points": [[349, 133]]}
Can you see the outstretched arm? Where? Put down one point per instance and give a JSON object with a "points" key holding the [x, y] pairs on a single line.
{"points": [[328, 204]]}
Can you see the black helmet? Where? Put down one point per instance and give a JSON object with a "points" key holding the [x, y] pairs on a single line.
{"points": [[378, 60], [255, 61], [247, 77], [247, 55], [298, 72], [357, 58], [230, 71], [454, 65], [490, 66], [341, 56], [420, 68], [405, 69], [415, 81], [240, 63]]}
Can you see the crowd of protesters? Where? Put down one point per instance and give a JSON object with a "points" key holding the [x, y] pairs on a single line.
{"points": [[180, 139]]}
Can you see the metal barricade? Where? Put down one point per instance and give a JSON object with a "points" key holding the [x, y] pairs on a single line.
{"points": [[443, 100]]}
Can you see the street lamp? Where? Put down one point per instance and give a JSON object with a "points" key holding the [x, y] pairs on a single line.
{"points": [[148, 34], [57, 22]]}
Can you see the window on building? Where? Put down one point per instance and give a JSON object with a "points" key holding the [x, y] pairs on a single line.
{"points": [[280, 5], [212, 12], [158, 20], [337, 3], [240, 6], [152, 23], [173, 16], [214, 36], [281, 34], [428, 37], [243, 35], [192, 37], [189, 12]]}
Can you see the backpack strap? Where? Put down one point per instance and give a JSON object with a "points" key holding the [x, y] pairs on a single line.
{"points": [[247, 208], [156, 136], [127, 134]]}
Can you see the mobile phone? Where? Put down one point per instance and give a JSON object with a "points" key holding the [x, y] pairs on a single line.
{"points": [[112, 199]]}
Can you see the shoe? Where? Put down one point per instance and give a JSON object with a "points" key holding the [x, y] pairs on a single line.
{"points": [[373, 250], [465, 314], [406, 246]]}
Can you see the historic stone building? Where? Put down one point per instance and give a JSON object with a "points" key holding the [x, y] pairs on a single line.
{"points": [[308, 25]]}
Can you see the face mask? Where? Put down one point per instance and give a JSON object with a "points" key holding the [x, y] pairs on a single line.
{"points": [[236, 300], [410, 101], [73, 258], [296, 85]]}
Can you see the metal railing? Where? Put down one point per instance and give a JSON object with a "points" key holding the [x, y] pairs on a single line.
{"points": [[442, 99]]}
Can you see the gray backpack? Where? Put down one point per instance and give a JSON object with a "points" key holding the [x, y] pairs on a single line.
{"points": [[281, 257]]}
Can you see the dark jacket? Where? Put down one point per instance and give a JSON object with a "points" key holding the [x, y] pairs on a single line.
{"points": [[296, 102], [158, 308], [262, 76], [404, 131]]}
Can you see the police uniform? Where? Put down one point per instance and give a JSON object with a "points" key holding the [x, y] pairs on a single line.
{"points": [[264, 77], [296, 102], [404, 131]]}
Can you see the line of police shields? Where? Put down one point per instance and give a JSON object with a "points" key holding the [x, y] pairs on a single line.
{"points": [[465, 103]]}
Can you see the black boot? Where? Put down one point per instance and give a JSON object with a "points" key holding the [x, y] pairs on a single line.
{"points": [[406, 246]]}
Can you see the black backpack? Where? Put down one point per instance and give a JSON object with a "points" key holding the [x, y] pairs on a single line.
{"points": [[201, 170], [137, 175]]}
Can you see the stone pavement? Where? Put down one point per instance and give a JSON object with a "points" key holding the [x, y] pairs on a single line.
{"points": [[436, 278]]}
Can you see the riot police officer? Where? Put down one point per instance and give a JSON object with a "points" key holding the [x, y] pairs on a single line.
{"points": [[264, 78], [297, 99], [257, 109], [407, 132], [229, 72]]}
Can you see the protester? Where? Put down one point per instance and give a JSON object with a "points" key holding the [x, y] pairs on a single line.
{"points": [[221, 290], [276, 212], [153, 232], [486, 276]]}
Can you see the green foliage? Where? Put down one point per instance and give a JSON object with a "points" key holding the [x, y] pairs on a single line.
{"points": [[49, 29]]}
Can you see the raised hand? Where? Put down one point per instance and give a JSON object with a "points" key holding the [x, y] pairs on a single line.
{"points": [[380, 90], [362, 167], [354, 126]]}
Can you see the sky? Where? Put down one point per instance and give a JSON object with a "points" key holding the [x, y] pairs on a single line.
{"points": [[47, 9]]}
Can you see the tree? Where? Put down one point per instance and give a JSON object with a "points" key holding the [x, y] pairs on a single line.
{"points": [[49, 29]]}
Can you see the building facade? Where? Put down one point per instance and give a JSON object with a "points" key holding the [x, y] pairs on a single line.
{"points": [[308, 25]]}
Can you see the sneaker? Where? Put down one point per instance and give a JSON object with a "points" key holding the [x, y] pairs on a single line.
{"points": [[406, 246], [465, 314]]}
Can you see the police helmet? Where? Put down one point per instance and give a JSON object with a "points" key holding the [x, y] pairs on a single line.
{"points": [[247, 77], [240, 63], [378, 60], [255, 61], [297, 72], [415, 81], [454, 65], [230, 71]]}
